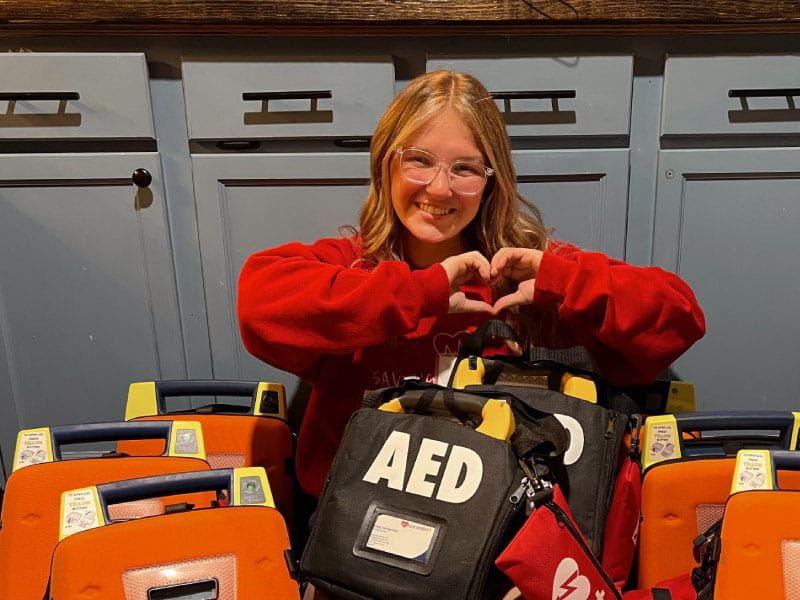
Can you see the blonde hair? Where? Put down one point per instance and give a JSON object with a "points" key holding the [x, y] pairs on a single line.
{"points": [[505, 219]]}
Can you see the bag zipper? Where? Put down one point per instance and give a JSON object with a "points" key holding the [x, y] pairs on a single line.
{"points": [[515, 501], [607, 477], [561, 517]]}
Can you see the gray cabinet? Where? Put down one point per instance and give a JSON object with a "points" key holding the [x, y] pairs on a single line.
{"points": [[569, 121], [727, 221], [271, 165], [256, 201], [87, 289]]}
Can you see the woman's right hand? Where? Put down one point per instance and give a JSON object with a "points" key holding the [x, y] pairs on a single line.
{"points": [[461, 269]]}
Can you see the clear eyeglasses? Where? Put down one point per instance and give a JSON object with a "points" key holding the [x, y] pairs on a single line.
{"points": [[465, 177]]}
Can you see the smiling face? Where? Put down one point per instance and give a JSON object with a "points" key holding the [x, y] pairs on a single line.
{"points": [[434, 217]]}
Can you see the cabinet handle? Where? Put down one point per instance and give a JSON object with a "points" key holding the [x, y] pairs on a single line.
{"points": [[63, 96], [142, 177], [239, 145], [306, 95], [554, 116], [543, 94], [764, 93], [267, 117], [352, 143]]}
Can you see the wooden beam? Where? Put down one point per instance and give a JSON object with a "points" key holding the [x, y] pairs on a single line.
{"points": [[396, 17]]}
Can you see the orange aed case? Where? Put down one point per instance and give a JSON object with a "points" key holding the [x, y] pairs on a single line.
{"points": [[33, 491], [255, 434], [757, 553], [225, 552], [688, 463]]}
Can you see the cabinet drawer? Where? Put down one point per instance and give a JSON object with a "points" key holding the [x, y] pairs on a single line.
{"points": [[285, 99], [74, 96], [723, 95], [555, 96]]}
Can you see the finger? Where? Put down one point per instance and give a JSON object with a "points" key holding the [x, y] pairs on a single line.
{"points": [[474, 306], [517, 298], [472, 266], [505, 261]]}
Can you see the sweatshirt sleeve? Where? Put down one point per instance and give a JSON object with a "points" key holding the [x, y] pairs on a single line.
{"points": [[299, 302], [635, 321]]}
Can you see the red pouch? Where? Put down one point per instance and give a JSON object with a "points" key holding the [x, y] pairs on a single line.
{"points": [[678, 588], [549, 559], [622, 523]]}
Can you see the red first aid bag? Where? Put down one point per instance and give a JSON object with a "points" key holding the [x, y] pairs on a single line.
{"points": [[677, 588], [549, 558], [622, 523]]}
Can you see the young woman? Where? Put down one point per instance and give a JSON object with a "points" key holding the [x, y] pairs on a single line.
{"points": [[445, 242]]}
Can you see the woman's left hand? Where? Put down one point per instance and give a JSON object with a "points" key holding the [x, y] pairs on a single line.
{"points": [[520, 265]]}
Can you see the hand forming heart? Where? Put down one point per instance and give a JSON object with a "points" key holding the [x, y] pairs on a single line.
{"points": [[517, 264]]}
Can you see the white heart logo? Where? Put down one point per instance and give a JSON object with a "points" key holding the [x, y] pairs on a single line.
{"points": [[568, 583]]}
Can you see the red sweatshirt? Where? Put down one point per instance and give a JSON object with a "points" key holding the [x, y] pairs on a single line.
{"points": [[314, 311]]}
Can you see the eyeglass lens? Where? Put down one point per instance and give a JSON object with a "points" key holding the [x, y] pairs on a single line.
{"points": [[421, 167]]}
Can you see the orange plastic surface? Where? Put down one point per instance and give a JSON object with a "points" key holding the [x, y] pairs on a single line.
{"points": [[671, 495], [32, 503], [260, 441], [98, 558]]}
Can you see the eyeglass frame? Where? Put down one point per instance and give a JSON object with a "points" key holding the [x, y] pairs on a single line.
{"points": [[487, 171]]}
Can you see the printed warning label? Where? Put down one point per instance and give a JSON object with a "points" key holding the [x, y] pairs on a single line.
{"points": [[663, 443], [32, 448], [752, 471], [79, 511], [401, 537]]}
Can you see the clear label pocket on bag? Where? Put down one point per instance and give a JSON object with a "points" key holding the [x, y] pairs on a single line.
{"points": [[400, 538]]}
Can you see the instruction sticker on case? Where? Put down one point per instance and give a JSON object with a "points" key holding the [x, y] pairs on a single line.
{"points": [[401, 537], [80, 510], [663, 444], [753, 471], [32, 448]]}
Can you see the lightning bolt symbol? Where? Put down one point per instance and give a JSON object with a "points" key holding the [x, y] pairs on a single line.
{"points": [[566, 588]]}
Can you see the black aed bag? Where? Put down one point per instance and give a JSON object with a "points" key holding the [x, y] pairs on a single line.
{"points": [[416, 506]]}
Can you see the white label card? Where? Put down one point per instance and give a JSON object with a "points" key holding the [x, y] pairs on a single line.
{"points": [[79, 511], [751, 471], [32, 449], [663, 443], [401, 537]]}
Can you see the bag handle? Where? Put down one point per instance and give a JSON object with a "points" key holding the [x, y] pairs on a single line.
{"points": [[87, 507], [149, 398], [475, 344], [664, 435], [538, 434], [495, 416], [34, 446]]}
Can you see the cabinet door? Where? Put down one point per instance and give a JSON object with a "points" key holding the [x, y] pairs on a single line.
{"points": [[727, 222], [87, 293], [246, 203], [581, 193]]}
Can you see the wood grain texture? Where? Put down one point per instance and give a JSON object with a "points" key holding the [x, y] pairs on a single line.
{"points": [[400, 17]]}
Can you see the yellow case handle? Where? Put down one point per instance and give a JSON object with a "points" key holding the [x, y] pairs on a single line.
{"points": [[681, 397], [252, 480], [469, 374], [266, 389], [143, 401], [497, 419], [578, 386]]}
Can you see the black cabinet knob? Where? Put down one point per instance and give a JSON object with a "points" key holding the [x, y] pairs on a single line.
{"points": [[142, 177]]}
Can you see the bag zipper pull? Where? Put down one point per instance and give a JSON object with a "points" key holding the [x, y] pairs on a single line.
{"points": [[520, 492], [610, 427]]}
